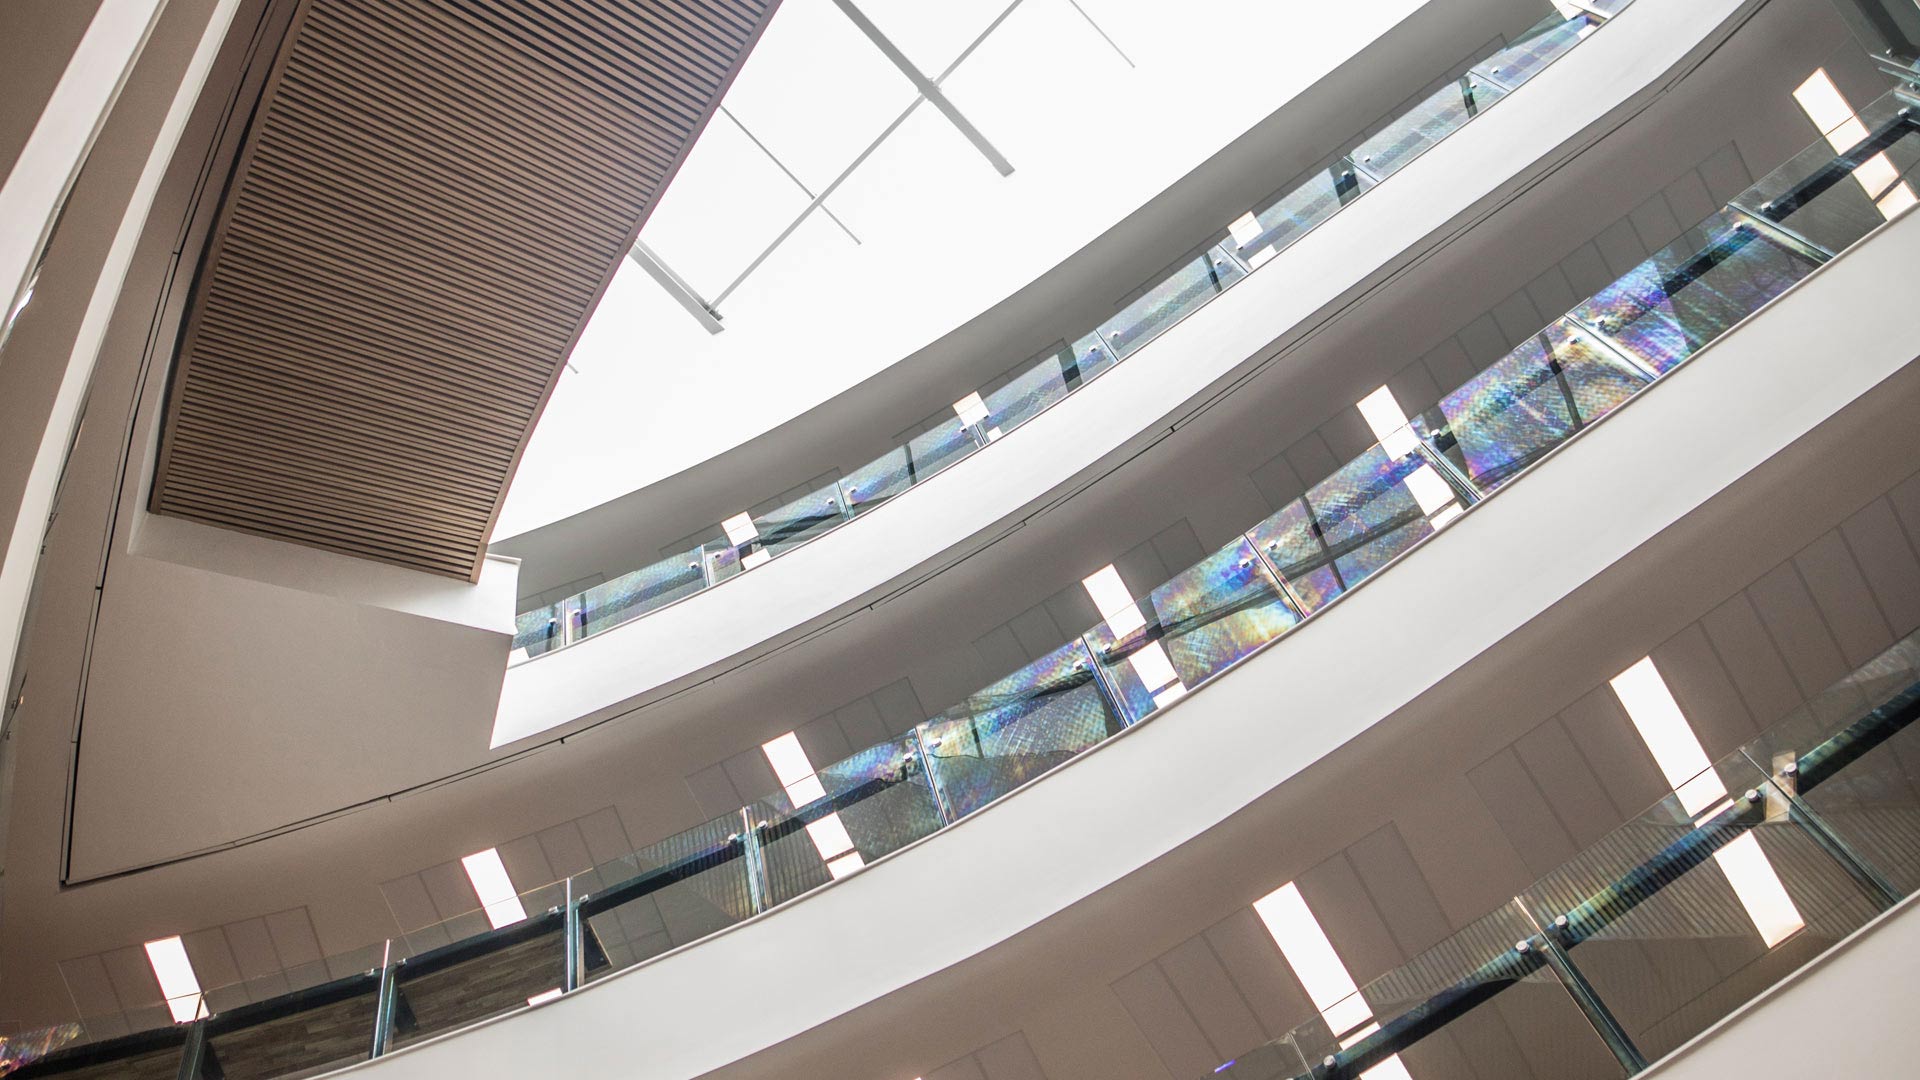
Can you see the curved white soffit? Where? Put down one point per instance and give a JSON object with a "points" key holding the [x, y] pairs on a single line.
{"points": [[1044, 848], [1623, 60]]}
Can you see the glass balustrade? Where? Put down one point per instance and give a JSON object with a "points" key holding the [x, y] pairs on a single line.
{"points": [[1829, 799], [1214, 267], [1668, 924]]}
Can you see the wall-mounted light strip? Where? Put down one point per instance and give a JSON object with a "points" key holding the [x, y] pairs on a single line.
{"points": [[1823, 103], [178, 984], [1394, 432], [1115, 603], [491, 884], [1321, 972], [829, 834], [1676, 750]]}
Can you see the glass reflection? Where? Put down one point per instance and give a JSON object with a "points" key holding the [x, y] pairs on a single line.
{"points": [[1200, 623], [1444, 112], [1528, 402], [1694, 290], [1021, 726], [1347, 526]]}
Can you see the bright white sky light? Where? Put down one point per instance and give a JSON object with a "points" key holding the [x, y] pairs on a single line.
{"points": [[942, 235]]}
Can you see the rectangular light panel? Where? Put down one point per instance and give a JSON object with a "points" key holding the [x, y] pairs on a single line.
{"points": [[1650, 704], [829, 833], [1389, 424], [740, 529], [1321, 972], [1823, 103], [1112, 600], [494, 888], [178, 984]]}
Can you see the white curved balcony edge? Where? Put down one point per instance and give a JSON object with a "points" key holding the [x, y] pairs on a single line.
{"points": [[1849, 1010], [1161, 785], [1621, 68]]}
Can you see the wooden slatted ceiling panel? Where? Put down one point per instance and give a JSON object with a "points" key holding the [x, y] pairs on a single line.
{"points": [[432, 196]]}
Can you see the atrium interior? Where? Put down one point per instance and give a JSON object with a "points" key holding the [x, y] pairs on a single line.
{"points": [[990, 540]]}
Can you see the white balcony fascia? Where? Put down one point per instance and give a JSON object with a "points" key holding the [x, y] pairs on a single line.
{"points": [[1036, 853], [1560, 112]]}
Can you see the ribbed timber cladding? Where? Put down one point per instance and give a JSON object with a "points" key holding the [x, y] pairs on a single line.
{"points": [[431, 198]]}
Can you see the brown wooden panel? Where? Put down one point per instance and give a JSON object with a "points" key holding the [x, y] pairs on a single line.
{"points": [[431, 198]]}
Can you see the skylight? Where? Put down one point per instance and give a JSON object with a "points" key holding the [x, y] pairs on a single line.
{"points": [[898, 229]]}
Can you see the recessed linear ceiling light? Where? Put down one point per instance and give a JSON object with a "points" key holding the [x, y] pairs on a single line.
{"points": [[1329, 986], [829, 833], [1676, 750], [970, 409], [1394, 432], [178, 984], [1245, 230], [545, 996], [1823, 103], [1112, 600], [1122, 616], [494, 888], [740, 529]]}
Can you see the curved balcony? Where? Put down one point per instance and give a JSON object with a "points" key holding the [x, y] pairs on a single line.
{"points": [[676, 621], [1748, 395]]}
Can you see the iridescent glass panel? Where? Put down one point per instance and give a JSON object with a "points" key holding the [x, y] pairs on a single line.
{"points": [[874, 802], [878, 481], [1694, 290], [1535, 398], [1021, 726], [1538, 47], [630, 596], [1352, 523], [153, 1055], [537, 631], [1048, 378], [1261, 234], [799, 521], [1421, 128], [722, 559], [1206, 619], [1186, 288]]}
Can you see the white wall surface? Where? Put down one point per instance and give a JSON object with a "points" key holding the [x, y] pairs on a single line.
{"points": [[943, 237], [1162, 785], [1522, 137], [1849, 1013]]}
